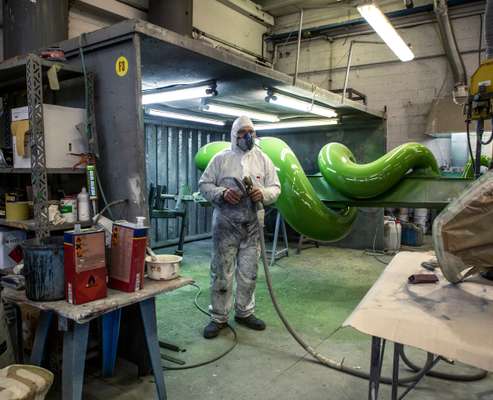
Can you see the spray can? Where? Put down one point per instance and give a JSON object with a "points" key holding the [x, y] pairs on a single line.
{"points": [[91, 182]]}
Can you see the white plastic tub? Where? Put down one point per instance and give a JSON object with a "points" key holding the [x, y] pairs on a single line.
{"points": [[164, 268]]}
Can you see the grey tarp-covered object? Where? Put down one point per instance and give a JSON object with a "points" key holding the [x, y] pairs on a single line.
{"points": [[462, 232]]}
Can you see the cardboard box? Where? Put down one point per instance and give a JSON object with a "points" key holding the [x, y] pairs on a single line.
{"points": [[10, 247], [61, 136], [85, 266], [128, 250]]}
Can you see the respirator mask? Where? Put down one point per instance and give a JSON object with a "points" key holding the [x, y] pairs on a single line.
{"points": [[246, 142]]}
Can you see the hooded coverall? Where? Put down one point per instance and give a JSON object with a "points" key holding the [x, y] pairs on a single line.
{"points": [[235, 234]]}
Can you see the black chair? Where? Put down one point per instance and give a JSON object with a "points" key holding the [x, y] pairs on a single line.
{"points": [[157, 209]]}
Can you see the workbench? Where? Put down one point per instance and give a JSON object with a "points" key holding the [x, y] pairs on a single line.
{"points": [[74, 321], [449, 322]]}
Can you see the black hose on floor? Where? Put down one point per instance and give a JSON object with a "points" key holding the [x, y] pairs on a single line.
{"points": [[327, 362], [442, 375], [210, 361]]}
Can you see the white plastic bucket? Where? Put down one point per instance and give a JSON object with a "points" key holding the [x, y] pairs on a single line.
{"points": [[165, 267]]}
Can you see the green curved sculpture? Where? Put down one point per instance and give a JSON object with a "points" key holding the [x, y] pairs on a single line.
{"points": [[362, 181], [298, 202]]}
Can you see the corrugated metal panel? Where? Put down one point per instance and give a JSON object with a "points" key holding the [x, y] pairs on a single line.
{"points": [[170, 152]]}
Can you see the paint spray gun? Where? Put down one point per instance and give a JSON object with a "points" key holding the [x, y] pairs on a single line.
{"points": [[248, 183]]}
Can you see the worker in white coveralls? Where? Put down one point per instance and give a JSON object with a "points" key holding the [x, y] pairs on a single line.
{"points": [[235, 230]]}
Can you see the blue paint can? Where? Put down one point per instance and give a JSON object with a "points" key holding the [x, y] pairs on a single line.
{"points": [[43, 269]]}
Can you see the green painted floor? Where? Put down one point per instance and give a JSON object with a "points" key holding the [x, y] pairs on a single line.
{"points": [[318, 289]]}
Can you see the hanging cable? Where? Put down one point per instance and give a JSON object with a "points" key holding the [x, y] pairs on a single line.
{"points": [[469, 146]]}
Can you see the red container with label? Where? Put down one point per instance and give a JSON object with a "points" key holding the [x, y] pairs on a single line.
{"points": [[85, 266], [128, 251]]}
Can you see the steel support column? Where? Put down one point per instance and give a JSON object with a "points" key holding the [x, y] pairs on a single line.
{"points": [[34, 78]]}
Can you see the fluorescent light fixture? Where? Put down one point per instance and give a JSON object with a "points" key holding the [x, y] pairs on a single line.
{"points": [[380, 23], [175, 94], [299, 105], [239, 111], [297, 124], [184, 117]]}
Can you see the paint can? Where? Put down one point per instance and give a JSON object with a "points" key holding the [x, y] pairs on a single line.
{"points": [[17, 211], [43, 269], [68, 209]]}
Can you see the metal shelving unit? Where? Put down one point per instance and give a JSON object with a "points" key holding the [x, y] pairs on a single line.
{"points": [[30, 72], [30, 225], [49, 171]]}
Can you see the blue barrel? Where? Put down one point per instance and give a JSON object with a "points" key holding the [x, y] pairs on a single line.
{"points": [[43, 269]]}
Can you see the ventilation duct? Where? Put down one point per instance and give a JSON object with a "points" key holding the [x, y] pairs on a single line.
{"points": [[488, 33], [33, 25], [175, 15], [451, 49]]}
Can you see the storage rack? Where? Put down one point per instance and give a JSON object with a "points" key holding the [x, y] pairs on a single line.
{"points": [[29, 72]]}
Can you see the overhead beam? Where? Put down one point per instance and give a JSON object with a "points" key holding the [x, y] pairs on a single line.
{"points": [[251, 10], [276, 4], [112, 8]]}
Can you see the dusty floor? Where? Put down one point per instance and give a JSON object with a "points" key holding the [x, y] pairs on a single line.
{"points": [[318, 290]]}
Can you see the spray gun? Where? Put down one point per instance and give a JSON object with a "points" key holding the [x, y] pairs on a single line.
{"points": [[248, 183]]}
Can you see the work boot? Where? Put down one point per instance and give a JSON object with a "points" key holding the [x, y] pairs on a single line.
{"points": [[213, 329], [251, 322]]}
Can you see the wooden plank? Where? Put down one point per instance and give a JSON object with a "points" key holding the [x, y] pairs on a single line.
{"points": [[29, 225], [85, 312]]}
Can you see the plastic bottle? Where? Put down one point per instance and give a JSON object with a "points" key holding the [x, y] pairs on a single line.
{"points": [[83, 205], [390, 236]]}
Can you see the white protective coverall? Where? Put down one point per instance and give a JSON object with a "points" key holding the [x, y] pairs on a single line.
{"points": [[235, 235]]}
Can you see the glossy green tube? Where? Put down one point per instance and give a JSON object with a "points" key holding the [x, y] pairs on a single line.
{"points": [[298, 202], [339, 168]]}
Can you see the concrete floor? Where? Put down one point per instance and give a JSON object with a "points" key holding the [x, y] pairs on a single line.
{"points": [[318, 290]]}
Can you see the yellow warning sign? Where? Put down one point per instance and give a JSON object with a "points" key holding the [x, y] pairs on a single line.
{"points": [[121, 66]]}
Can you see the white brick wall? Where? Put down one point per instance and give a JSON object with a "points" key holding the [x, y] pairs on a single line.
{"points": [[406, 89]]}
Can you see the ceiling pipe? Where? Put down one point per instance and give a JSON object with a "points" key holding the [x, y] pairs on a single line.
{"points": [[488, 30], [451, 48], [298, 48]]}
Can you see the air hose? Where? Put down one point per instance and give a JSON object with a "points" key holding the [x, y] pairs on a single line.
{"points": [[339, 366], [442, 375], [214, 359]]}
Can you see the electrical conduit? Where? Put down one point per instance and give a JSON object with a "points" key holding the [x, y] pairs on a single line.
{"points": [[488, 30]]}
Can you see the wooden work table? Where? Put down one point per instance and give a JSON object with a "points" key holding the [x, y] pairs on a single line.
{"points": [[74, 321], [85, 312], [448, 321]]}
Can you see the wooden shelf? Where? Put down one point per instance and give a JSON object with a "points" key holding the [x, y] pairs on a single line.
{"points": [[7, 170], [29, 225]]}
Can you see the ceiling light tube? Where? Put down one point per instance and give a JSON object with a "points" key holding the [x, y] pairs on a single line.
{"points": [[184, 117], [184, 93], [239, 111], [381, 24], [296, 124], [300, 105]]}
